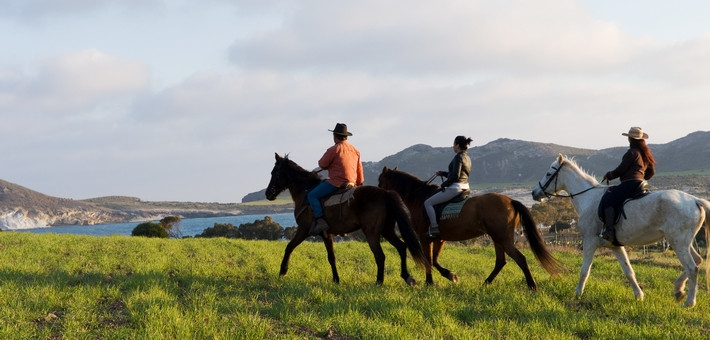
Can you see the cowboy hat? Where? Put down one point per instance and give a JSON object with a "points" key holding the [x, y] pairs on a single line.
{"points": [[636, 133], [341, 129]]}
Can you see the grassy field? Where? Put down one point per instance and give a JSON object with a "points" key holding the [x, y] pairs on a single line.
{"points": [[85, 287]]}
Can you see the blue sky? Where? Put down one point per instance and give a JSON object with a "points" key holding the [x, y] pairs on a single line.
{"points": [[189, 100]]}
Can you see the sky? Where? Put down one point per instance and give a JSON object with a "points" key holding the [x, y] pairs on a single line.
{"points": [[178, 100]]}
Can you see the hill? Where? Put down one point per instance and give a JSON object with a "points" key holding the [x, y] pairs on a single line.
{"points": [[515, 163]]}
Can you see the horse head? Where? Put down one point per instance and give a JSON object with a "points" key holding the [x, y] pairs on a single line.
{"points": [[384, 181], [548, 185], [279, 178]]}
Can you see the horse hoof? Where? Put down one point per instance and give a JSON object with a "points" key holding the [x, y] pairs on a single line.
{"points": [[411, 281], [453, 278], [679, 296]]}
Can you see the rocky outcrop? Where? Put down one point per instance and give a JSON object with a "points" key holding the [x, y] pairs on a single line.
{"points": [[21, 218]]}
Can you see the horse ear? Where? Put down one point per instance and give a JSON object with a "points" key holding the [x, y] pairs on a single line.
{"points": [[277, 156], [559, 158]]}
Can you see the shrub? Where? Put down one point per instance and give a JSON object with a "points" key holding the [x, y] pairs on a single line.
{"points": [[150, 229], [171, 224], [220, 230]]}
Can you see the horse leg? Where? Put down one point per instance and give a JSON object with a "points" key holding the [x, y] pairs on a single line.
{"points": [[376, 249], [623, 258], [427, 245], [589, 247], [679, 283], [401, 247], [500, 263], [438, 247], [689, 258], [519, 258], [301, 235], [328, 241]]}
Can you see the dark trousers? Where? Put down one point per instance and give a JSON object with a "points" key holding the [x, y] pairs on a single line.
{"points": [[614, 196]]}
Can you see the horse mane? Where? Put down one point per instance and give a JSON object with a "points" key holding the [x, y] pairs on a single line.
{"points": [[305, 176], [573, 164], [409, 185]]}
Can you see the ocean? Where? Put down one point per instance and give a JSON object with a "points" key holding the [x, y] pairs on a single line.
{"points": [[188, 226]]}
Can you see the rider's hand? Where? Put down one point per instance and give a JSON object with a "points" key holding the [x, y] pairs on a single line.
{"points": [[607, 177]]}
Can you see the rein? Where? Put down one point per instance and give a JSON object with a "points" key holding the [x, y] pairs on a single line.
{"points": [[554, 194], [431, 179]]}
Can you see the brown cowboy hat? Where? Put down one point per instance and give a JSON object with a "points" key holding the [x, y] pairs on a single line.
{"points": [[341, 129], [636, 133]]}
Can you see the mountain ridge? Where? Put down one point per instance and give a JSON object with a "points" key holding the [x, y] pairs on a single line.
{"points": [[504, 160]]}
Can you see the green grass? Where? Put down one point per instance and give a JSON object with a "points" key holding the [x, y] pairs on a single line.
{"points": [[84, 287]]}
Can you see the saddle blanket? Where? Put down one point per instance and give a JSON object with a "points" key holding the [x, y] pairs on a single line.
{"points": [[340, 197], [452, 210]]}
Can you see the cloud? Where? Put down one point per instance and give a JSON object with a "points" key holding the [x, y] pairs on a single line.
{"points": [[70, 83], [92, 122], [417, 38]]}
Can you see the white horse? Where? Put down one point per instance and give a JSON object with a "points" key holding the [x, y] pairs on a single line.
{"points": [[672, 214]]}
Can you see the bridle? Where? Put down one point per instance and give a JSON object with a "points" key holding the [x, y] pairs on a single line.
{"points": [[554, 176], [276, 175]]}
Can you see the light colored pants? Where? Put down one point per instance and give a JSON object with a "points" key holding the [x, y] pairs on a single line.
{"points": [[438, 198]]}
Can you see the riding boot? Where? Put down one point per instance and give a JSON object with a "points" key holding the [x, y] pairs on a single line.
{"points": [[608, 233], [319, 225], [433, 231]]}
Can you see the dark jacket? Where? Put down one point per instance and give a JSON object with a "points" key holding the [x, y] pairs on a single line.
{"points": [[459, 168], [632, 167]]}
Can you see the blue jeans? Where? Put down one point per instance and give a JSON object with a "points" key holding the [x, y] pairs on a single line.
{"points": [[322, 189]]}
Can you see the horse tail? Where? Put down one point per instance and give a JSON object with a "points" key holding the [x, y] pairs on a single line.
{"points": [[396, 206], [537, 243], [704, 204]]}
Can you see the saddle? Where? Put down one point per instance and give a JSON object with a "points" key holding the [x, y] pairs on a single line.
{"points": [[451, 208], [640, 192], [339, 196]]}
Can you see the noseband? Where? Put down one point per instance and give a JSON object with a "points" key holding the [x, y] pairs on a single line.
{"points": [[554, 176]]}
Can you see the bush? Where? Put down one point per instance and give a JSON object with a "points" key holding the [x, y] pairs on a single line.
{"points": [[266, 229], [171, 224], [150, 229], [220, 230]]}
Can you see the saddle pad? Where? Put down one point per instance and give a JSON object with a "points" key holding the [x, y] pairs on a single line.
{"points": [[452, 210], [620, 210], [340, 197]]}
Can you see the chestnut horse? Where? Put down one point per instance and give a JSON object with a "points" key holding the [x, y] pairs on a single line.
{"points": [[493, 214], [371, 209]]}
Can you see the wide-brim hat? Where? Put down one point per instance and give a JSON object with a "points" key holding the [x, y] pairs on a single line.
{"points": [[341, 129], [636, 133]]}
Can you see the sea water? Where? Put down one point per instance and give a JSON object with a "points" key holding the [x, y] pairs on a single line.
{"points": [[188, 226]]}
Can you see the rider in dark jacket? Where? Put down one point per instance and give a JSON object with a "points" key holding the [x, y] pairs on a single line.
{"points": [[456, 181], [637, 165]]}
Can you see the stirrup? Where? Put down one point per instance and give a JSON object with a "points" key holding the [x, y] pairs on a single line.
{"points": [[319, 225], [433, 231]]}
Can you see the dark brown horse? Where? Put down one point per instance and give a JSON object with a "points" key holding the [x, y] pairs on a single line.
{"points": [[371, 209], [493, 214]]}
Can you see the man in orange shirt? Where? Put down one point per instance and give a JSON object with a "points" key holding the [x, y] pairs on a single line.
{"points": [[342, 161]]}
